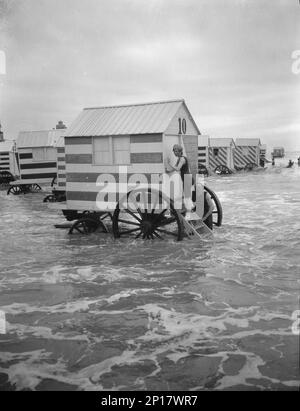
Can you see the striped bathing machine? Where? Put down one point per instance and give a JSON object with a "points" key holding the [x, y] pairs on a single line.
{"points": [[8, 157], [113, 151], [247, 152], [37, 159]]}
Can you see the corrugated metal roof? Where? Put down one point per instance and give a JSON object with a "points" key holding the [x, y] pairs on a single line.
{"points": [[247, 142], [6, 145], [126, 119], [44, 138], [221, 142]]}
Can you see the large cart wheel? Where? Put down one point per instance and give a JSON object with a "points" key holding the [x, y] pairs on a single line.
{"points": [[222, 170], [15, 190], [35, 188], [218, 211], [6, 177], [202, 170], [250, 166], [88, 225], [147, 214]]}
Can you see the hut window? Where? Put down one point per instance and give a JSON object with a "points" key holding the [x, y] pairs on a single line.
{"points": [[102, 151], [38, 154], [245, 151], [121, 150], [216, 152], [111, 150], [43, 154], [50, 153]]}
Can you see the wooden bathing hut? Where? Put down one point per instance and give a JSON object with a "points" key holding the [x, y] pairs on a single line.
{"points": [[37, 159], [8, 157], [247, 153], [221, 155], [138, 136]]}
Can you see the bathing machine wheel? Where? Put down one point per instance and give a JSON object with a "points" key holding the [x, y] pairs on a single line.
{"points": [[218, 212], [15, 190], [147, 214], [51, 198], [222, 170], [89, 223], [23, 189], [250, 166], [202, 170], [5, 178], [35, 188]]}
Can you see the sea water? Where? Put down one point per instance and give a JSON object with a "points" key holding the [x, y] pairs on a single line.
{"points": [[94, 313]]}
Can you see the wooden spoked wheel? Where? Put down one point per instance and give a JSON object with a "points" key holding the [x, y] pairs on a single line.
{"points": [[147, 214], [88, 225], [218, 211], [222, 170], [6, 177], [15, 190], [250, 166], [51, 198], [202, 170], [35, 188]]}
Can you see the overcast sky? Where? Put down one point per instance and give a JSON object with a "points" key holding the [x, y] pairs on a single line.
{"points": [[230, 60]]}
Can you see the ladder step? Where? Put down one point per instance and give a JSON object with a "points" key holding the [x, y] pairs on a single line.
{"points": [[190, 228]]}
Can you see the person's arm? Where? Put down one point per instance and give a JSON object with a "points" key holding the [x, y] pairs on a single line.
{"points": [[179, 166]]}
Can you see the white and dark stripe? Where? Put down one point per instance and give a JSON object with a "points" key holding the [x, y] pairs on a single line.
{"points": [[220, 159], [240, 159], [39, 172], [80, 174], [61, 169]]}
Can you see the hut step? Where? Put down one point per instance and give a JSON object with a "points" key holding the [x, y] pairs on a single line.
{"points": [[192, 227]]}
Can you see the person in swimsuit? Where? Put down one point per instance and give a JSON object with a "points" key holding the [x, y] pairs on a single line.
{"points": [[182, 166]]}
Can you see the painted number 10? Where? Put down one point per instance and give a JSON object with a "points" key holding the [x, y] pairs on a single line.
{"points": [[182, 125]]}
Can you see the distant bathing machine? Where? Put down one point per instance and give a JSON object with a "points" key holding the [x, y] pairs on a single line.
{"points": [[224, 155], [8, 157], [216, 154], [247, 152], [38, 156]]}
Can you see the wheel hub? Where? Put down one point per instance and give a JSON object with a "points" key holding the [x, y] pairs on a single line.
{"points": [[146, 227]]}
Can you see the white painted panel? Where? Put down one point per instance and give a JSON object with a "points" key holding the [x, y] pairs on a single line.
{"points": [[203, 141], [89, 205], [39, 171], [183, 114], [121, 157], [25, 150], [146, 147], [77, 149], [136, 168], [108, 188]]}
